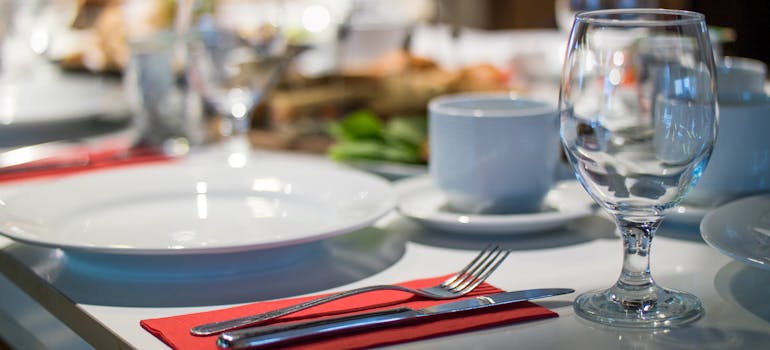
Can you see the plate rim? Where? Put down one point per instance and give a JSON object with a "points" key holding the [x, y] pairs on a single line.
{"points": [[708, 234]]}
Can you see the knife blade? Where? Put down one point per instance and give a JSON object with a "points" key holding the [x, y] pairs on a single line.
{"points": [[262, 336]]}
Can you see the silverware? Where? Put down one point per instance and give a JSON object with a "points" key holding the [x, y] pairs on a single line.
{"points": [[476, 272], [283, 333]]}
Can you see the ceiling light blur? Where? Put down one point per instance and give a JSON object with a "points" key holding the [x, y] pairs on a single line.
{"points": [[316, 18]]}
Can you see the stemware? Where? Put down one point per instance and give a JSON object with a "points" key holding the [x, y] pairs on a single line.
{"points": [[236, 53], [638, 123]]}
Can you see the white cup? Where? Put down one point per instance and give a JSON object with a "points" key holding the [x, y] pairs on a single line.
{"points": [[493, 153], [738, 78], [740, 162]]}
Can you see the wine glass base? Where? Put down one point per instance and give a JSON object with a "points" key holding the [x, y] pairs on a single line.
{"points": [[672, 309]]}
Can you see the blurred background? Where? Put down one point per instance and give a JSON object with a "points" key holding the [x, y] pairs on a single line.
{"points": [[746, 18], [355, 87], [113, 74]]}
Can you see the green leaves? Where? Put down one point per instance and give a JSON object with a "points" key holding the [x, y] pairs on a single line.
{"points": [[358, 125], [361, 135]]}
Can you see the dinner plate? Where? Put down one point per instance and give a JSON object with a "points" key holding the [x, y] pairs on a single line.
{"points": [[65, 97], [419, 199], [189, 206], [66, 107], [741, 230]]}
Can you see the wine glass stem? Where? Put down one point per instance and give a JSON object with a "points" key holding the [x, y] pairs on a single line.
{"points": [[239, 126], [635, 287], [236, 130]]}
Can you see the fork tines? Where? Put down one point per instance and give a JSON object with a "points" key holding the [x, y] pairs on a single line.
{"points": [[478, 270]]}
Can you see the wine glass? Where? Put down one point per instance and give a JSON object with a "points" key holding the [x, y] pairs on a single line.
{"points": [[236, 54], [638, 122]]}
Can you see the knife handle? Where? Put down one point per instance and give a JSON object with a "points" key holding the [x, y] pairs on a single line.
{"points": [[256, 337]]}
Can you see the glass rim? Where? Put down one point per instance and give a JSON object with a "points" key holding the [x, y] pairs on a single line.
{"points": [[685, 17]]}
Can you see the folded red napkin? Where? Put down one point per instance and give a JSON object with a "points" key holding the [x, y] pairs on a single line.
{"points": [[175, 330], [82, 161]]}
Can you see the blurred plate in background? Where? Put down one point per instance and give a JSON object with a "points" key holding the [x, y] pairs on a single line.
{"points": [[60, 98]]}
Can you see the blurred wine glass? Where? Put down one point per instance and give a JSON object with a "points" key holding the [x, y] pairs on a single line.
{"points": [[237, 52]]}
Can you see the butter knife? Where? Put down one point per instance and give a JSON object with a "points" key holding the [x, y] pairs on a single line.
{"points": [[263, 336]]}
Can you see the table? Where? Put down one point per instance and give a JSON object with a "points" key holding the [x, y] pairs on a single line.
{"points": [[50, 300]]}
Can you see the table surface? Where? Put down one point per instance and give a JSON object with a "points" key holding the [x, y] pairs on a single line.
{"points": [[53, 300]]}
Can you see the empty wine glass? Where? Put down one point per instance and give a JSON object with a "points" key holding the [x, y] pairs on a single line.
{"points": [[638, 122], [236, 53]]}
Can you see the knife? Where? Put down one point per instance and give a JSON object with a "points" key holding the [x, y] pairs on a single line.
{"points": [[263, 336]]}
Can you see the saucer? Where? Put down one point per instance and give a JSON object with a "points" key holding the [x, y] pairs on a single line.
{"points": [[420, 200]]}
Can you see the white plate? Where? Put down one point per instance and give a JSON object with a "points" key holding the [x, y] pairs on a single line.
{"points": [[61, 98], [741, 230], [420, 200], [189, 206]]}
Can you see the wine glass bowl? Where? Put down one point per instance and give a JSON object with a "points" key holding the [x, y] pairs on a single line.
{"points": [[235, 58], [638, 123]]}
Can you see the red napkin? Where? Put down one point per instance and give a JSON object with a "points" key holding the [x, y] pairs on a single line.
{"points": [[175, 330], [81, 162]]}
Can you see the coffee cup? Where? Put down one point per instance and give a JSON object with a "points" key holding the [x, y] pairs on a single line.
{"points": [[493, 153], [738, 78], [740, 162]]}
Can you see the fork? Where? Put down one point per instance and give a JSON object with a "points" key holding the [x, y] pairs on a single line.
{"points": [[459, 284]]}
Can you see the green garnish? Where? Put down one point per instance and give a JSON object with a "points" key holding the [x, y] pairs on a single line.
{"points": [[361, 135]]}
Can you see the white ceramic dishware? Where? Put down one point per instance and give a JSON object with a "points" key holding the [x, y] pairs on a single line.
{"points": [[638, 124], [422, 201], [740, 162], [738, 76], [60, 107], [493, 153], [195, 206], [59, 98], [741, 230]]}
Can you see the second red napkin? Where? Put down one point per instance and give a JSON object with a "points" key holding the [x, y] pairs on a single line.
{"points": [[82, 161], [175, 330]]}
